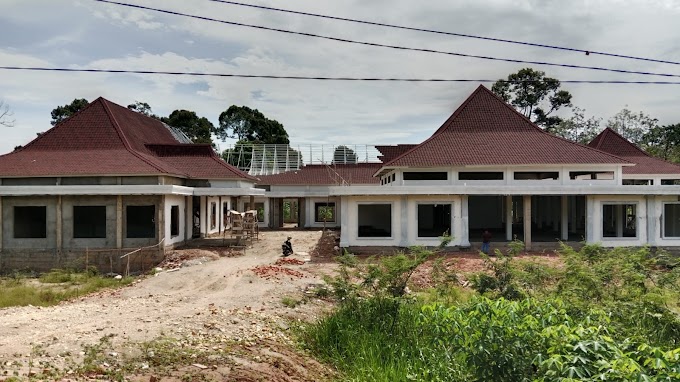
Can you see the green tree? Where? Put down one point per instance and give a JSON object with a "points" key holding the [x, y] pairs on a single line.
{"points": [[534, 95], [578, 128], [61, 113], [250, 125], [142, 108], [6, 115], [663, 142], [198, 129], [344, 155], [632, 126]]}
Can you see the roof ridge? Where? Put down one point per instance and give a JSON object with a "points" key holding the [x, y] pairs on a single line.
{"points": [[126, 143]]}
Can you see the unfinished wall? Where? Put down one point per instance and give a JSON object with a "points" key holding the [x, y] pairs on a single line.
{"points": [[142, 200], [8, 239], [68, 239], [310, 221]]}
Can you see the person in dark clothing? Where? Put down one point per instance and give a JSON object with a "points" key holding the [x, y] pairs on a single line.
{"points": [[287, 247], [486, 241]]}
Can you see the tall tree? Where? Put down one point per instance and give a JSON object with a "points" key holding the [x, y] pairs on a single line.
{"points": [[61, 113], [663, 142], [344, 155], [142, 108], [632, 126], [250, 125], [6, 115], [578, 128], [534, 95], [198, 129]]}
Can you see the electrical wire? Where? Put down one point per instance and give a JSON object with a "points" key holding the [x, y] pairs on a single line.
{"points": [[317, 78], [416, 29], [389, 46]]}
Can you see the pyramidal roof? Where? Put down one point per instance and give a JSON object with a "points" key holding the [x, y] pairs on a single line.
{"points": [[612, 142], [108, 139], [485, 130]]}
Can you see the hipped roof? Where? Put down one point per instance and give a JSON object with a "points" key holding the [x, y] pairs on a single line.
{"points": [[108, 139], [486, 131], [612, 142]]}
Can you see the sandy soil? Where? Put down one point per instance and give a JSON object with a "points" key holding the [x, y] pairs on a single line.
{"points": [[221, 295]]}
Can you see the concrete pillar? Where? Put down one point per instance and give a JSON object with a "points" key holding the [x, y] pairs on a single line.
{"points": [[564, 210], [161, 219], [220, 215], [590, 219], [465, 222], [403, 214], [556, 212], [527, 221], [188, 217], [508, 218], [119, 222], [60, 222], [620, 216], [652, 218], [203, 216], [251, 202], [537, 212], [344, 221]]}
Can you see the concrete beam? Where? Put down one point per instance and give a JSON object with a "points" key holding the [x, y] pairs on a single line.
{"points": [[527, 221]]}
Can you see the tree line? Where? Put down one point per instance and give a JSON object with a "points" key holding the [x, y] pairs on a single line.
{"points": [[539, 97]]}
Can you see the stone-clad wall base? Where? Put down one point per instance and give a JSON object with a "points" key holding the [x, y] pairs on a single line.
{"points": [[105, 261]]}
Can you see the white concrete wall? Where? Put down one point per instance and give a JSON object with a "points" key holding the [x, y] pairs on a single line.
{"points": [[175, 200], [404, 220], [656, 220], [310, 212], [594, 221]]}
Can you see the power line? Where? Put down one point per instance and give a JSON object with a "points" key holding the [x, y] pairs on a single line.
{"points": [[390, 46], [316, 78], [375, 23]]}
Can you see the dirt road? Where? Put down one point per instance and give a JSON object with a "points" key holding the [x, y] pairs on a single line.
{"points": [[224, 296]]}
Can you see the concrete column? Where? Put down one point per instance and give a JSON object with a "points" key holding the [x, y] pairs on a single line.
{"points": [[527, 221], [619, 220], [220, 215], [508, 218], [119, 222], [403, 213], [652, 218], [344, 221], [564, 210], [203, 216], [161, 220], [251, 202], [537, 211], [465, 222], [188, 217], [60, 223], [590, 219]]}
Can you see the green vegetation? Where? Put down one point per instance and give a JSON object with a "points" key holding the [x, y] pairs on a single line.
{"points": [[53, 287], [600, 315]]}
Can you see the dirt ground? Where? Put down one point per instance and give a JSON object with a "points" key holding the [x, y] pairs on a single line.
{"points": [[222, 294], [231, 313]]}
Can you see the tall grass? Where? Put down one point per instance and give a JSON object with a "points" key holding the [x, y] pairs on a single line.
{"points": [[53, 287], [557, 329]]}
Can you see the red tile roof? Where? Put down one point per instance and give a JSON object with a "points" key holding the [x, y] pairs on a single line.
{"points": [[485, 130], [391, 152], [107, 139], [610, 141], [315, 175]]}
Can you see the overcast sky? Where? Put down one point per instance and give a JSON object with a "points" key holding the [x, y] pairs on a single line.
{"points": [[89, 34]]}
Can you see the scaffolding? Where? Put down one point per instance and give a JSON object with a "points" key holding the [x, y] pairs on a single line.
{"points": [[269, 159]]}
